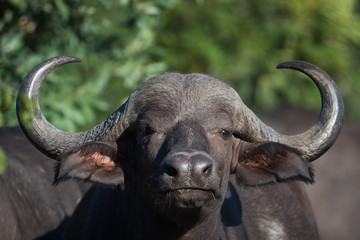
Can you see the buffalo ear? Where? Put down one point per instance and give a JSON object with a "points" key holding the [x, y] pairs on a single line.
{"points": [[262, 163], [95, 162]]}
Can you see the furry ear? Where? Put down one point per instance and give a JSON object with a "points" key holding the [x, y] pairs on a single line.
{"points": [[95, 162], [262, 163]]}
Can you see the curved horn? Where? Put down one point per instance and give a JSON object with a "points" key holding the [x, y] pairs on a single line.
{"points": [[44, 136], [318, 139]]}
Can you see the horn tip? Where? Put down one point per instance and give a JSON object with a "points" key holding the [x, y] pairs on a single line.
{"points": [[67, 58], [296, 65]]}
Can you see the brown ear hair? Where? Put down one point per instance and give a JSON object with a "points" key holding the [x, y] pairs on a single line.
{"points": [[262, 163], [97, 162]]}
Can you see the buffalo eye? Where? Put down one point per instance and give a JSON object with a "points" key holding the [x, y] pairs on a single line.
{"points": [[225, 134], [148, 131], [145, 134]]}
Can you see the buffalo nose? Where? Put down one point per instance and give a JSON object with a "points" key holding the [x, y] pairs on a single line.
{"points": [[190, 166]]}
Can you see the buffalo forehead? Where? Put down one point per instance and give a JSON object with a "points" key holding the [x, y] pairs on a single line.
{"points": [[178, 96]]}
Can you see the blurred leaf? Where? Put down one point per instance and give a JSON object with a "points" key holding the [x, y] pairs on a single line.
{"points": [[19, 3], [6, 99], [63, 9], [2, 161]]}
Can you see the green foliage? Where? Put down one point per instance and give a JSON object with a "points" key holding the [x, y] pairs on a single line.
{"points": [[242, 42], [115, 39]]}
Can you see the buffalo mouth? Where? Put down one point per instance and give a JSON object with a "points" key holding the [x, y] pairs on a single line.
{"points": [[190, 197], [185, 191]]}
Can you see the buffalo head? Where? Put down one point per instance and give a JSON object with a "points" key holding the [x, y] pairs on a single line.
{"points": [[182, 135]]}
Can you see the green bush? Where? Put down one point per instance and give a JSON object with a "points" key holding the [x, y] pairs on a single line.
{"points": [[115, 40], [242, 42]]}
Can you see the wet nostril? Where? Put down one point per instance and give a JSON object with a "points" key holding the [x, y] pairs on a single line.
{"points": [[203, 165], [176, 165], [207, 169], [171, 170]]}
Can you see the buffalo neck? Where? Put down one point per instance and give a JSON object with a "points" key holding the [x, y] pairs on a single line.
{"points": [[210, 228]]}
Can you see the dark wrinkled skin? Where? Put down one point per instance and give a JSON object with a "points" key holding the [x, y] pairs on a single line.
{"points": [[246, 213], [30, 206], [182, 126]]}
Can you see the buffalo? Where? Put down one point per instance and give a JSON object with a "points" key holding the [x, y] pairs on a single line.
{"points": [[335, 196], [31, 207], [184, 158]]}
